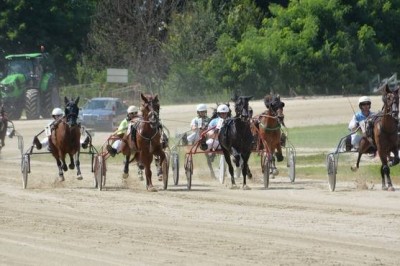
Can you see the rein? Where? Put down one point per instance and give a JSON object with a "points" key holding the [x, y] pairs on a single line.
{"points": [[266, 128]]}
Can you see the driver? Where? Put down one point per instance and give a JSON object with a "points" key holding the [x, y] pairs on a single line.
{"points": [[357, 123], [57, 114]]}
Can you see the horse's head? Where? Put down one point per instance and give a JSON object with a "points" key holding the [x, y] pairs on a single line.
{"points": [[275, 106], [151, 109], [242, 107], [71, 110], [390, 100]]}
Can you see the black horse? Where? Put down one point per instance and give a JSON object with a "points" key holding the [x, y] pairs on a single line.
{"points": [[235, 138]]}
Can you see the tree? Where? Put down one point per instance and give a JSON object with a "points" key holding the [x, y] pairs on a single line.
{"points": [[129, 34], [60, 25]]}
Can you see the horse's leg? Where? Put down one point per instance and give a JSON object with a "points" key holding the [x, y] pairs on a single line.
{"points": [[146, 161], [60, 170], [126, 167], [64, 164], [278, 154], [78, 166], [236, 155], [227, 157], [245, 168], [385, 173], [71, 165], [355, 167]]}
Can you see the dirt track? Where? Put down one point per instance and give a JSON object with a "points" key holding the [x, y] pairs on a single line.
{"points": [[289, 224]]}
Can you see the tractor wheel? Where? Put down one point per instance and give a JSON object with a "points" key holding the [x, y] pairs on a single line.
{"points": [[32, 104], [47, 105]]}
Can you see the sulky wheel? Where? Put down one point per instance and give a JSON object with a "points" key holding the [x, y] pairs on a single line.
{"points": [[165, 169], [331, 165], [25, 170], [175, 167], [292, 165], [99, 172], [222, 169], [266, 167], [189, 170]]}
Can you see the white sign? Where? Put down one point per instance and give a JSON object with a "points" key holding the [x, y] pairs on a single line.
{"points": [[116, 75]]}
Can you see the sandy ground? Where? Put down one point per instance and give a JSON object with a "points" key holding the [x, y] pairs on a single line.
{"points": [[303, 223]]}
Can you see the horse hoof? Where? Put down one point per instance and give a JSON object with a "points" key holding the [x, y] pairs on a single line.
{"points": [[233, 187], [125, 175], [71, 167], [152, 189], [79, 177], [246, 187], [61, 178], [391, 189], [354, 168], [384, 188], [275, 172]]}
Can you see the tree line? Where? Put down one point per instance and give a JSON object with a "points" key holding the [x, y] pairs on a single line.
{"points": [[202, 49]]}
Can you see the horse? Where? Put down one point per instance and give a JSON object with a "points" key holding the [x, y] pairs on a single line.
{"points": [[235, 138], [384, 135], [65, 139], [144, 139], [3, 126], [269, 128]]}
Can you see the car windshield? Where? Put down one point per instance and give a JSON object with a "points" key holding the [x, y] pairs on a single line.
{"points": [[100, 104]]}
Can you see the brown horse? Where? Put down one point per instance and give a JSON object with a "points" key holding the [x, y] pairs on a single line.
{"points": [[269, 125], [384, 137], [3, 126], [65, 139], [144, 139]]}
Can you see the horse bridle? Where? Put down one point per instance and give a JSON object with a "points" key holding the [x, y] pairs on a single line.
{"points": [[391, 106], [70, 115]]}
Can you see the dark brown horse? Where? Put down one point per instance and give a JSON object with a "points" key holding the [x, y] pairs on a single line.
{"points": [[3, 126], [144, 139], [235, 138], [384, 138], [269, 125], [65, 139]]}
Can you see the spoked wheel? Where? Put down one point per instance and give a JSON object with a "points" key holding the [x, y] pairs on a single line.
{"points": [[99, 172], [25, 170], [189, 170], [222, 169], [175, 168], [292, 165], [266, 168], [331, 165], [165, 170]]}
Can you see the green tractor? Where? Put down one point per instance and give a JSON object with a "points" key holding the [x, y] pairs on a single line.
{"points": [[29, 83]]}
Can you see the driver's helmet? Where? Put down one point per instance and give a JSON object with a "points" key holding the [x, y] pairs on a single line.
{"points": [[57, 112], [223, 109], [364, 99], [132, 109], [201, 107]]}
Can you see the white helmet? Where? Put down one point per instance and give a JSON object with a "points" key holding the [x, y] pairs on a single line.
{"points": [[201, 107], [57, 111], [364, 99], [132, 109], [222, 109]]}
